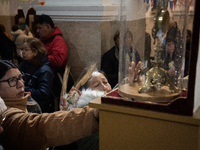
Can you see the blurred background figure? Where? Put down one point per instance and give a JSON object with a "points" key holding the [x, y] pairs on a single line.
{"points": [[110, 61], [131, 53], [147, 53], [19, 37], [187, 52], [2, 27], [172, 30], [22, 24], [171, 61], [8, 48]]}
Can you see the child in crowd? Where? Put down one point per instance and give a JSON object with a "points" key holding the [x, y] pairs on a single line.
{"points": [[38, 74]]}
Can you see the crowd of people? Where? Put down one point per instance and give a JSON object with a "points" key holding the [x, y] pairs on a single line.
{"points": [[37, 65]]}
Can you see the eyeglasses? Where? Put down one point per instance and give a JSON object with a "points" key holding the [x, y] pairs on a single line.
{"points": [[13, 81], [3, 117]]}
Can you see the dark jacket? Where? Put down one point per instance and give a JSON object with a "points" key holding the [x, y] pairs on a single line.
{"points": [[8, 47], [38, 81], [110, 65]]}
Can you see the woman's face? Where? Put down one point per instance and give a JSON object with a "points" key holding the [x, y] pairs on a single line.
{"points": [[170, 47], [27, 53], [128, 40], [99, 82], [11, 92]]}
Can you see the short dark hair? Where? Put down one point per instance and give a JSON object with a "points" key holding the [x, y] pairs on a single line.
{"points": [[15, 28], [5, 65], [44, 19], [170, 39], [128, 32]]}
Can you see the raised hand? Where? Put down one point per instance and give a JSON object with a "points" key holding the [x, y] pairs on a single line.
{"points": [[134, 72]]}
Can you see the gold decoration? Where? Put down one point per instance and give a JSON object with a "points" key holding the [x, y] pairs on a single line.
{"points": [[157, 77]]}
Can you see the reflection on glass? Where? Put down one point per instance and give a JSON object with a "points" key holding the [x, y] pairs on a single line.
{"points": [[156, 78]]}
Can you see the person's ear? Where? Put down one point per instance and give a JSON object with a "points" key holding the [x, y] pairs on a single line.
{"points": [[48, 26], [35, 53]]}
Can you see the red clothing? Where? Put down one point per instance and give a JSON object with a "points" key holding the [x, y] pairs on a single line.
{"points": [[57, 49]]}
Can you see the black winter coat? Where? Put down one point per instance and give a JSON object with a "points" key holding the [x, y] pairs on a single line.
{"points": [[110, 65], [7, 48]]}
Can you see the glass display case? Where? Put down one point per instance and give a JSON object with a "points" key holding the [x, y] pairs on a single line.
{"points": [[152, 51]]}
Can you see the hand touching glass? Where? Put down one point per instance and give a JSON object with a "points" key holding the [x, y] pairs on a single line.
{"points": [[134, 72]]}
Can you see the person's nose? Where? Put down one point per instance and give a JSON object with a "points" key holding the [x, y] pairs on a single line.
{"points": [[104, 88], [20, 83]]}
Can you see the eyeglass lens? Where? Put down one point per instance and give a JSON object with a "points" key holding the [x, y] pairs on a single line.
{"points": [[13, 81]]}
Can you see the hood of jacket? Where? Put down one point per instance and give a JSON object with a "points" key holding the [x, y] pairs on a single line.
{"points": [[16, 33]]}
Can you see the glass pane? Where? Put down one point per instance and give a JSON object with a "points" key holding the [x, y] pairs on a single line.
{"points": [[152, 50]]}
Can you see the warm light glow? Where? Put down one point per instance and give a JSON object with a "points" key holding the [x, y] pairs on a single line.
{"points": [[160, 18]]}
